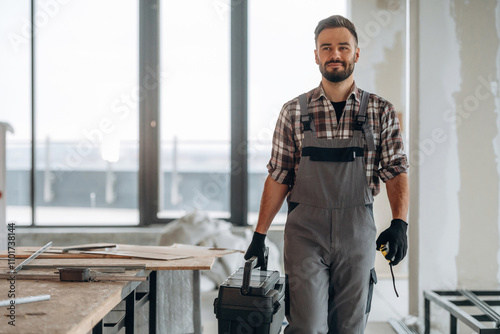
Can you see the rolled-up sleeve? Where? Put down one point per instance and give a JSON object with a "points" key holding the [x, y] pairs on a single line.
{"points": [[281, 166], [393, 160]]}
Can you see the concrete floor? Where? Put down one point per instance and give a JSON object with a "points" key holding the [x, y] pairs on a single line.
{"points": [[385, 305]]}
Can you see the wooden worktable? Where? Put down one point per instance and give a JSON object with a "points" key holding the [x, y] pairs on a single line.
{"points": [[76, 307]]}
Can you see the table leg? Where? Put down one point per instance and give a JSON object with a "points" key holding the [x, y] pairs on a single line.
{"points": [[427, 315], [99, 328], [130, 313], [196, 302], [453, 325], [152, 301]]}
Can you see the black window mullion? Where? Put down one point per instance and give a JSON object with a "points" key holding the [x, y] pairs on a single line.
{"points": [[239, 111], [33, 125], [149, 85]]}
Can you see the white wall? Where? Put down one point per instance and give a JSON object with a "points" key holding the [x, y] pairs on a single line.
{"points": [[459, 179], [381, 28], [454, 153], [457, 159]]}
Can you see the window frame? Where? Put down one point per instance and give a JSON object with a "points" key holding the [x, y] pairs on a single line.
{"points": [[149, 133], [149, 114]]}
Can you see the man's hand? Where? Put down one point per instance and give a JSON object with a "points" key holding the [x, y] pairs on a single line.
{"points": [[395, 235], [257, 248]]}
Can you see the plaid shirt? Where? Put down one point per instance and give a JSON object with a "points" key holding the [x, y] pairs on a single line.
{"points": [[288, 136]]}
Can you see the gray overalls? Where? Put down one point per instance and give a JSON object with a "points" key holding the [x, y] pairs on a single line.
{"points": [[330, 234]]}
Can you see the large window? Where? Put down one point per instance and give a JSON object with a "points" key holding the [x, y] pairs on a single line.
{"points": [[281, 66], [99, 156], [15, 104], [85, 112], [194, 112]]}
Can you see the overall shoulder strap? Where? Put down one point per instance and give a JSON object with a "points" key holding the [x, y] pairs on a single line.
{"points": [[305, 117], [362, 121]]}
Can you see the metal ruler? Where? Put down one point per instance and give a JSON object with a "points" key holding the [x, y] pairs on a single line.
{"points": [[31, 258]]}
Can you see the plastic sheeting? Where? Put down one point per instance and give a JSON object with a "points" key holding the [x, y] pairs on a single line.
{"points": [[197, 228]]}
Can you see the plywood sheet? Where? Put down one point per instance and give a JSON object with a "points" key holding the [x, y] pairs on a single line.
{"points": [[195, 263], [167, 253], [74, 307]]}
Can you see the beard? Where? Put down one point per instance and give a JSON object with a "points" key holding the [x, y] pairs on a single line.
{"points": [[336, 74]]}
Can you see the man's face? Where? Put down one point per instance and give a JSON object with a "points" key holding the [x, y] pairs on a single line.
{"points": [[336, 52]]}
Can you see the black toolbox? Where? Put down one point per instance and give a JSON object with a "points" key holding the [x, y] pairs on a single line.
{"points": [[251, 301]]}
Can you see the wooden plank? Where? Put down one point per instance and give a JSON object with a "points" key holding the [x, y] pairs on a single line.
{"points": [[167, 253], [196, 263], [56, 277], [25, 252], [73, 308], [43, 277], [138, 254], [85, 246], [96, 267], [164, 252]]}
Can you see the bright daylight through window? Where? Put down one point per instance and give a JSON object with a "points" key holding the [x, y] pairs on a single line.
{"points": [[85, 103], [87, 94], [281, 66]]}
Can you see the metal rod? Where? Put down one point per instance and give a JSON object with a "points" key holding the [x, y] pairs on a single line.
{"points": [[400, 327], [460, 314], [31, 258], [427, 315], [453, 324], [24, 300], [494, 316]]}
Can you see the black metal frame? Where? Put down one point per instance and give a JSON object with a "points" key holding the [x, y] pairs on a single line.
{"points": [[469, 298], [133, 300], [136, 294]]}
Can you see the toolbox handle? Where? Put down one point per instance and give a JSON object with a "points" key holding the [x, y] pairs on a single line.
{"points": [[247, 271]]}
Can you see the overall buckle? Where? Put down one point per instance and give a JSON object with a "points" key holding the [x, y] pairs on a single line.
{"points": [[360, 121], [306, 122]]}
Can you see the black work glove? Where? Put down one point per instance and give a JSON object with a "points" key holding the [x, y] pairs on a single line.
{"points": [[395, 235], [257, 248]]}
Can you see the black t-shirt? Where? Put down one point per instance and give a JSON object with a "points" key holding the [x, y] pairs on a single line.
{"points": [[339, 109]]}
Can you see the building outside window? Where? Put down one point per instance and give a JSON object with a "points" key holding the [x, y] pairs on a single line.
{"points": [[86, 104]]}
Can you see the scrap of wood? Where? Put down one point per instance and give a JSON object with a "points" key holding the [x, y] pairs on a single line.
{"points": [[195, 263], [174, 252], [124, 254], [123, 251], [175, 249], [96, 276], [202, 251], [98, 266], [25, 252], [37, 277], [84, 247], [57, 254]]}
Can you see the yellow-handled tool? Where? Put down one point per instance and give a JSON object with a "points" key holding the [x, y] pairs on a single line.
{"points": [[384, 249]]}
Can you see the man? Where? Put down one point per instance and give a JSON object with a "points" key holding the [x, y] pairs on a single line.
{"points": [[330, 148]]}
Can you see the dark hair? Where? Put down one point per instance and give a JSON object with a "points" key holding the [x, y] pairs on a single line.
{"points": [[335, 21]]}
